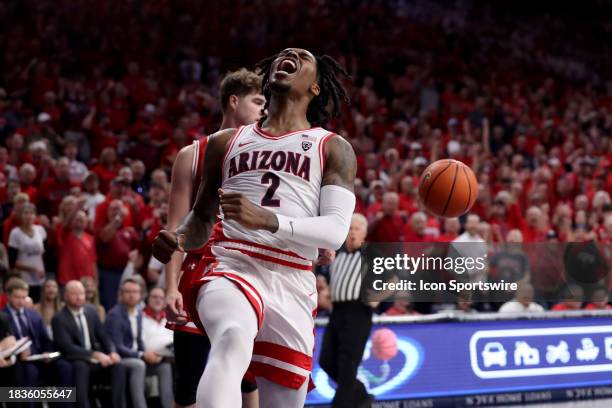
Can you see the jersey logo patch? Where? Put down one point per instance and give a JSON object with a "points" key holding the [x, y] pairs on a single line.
{"points": [[306, 146]]}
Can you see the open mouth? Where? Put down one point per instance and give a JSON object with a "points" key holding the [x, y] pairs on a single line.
{"points": [[288, 66]]}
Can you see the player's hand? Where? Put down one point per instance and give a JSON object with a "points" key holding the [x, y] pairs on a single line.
{"points": [[326, 257], [174, 307], [165, 244], [237, 207]]}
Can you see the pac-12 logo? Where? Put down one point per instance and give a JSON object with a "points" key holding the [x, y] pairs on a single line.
{"points": [[306, 146]]}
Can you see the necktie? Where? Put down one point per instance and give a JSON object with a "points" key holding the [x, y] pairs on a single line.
{"points": [[23, 321], [81, 329]]}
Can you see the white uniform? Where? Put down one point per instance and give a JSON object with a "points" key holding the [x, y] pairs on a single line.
{"points": [[282, 174]]}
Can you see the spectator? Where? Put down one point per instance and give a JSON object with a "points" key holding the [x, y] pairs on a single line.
{"points": [[451, 230], [522, 302], [4, 262], [92, 297], [401, 307], [415, 231], [50, 303], [547, 266], [471, 245], [26, 247], [77, 170], [139, 182], [81, 338], [534, 228], [25, 322], [92, 194], [76, 247], [13, 220], [464, 303], [119, 190], [388, 223], [53, 190], [115, 241], [7, 365], [155, 336], [27, 180], [13, 188], [572, 299], [107, 168], [510, 263], [599, 300], [124, 325]]}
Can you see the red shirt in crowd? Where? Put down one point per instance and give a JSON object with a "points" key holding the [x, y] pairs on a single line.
{"points": [[593, 306], [77, 255], [115, 253], [105, 174], [387, 229], [50, 195]]}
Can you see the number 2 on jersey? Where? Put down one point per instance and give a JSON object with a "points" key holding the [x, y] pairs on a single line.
{"points": [[268, 199]]}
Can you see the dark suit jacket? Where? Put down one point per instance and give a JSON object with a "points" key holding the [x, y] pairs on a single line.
{"points": [[118, 327], [37, 332], [68, 338], [5, 327]]}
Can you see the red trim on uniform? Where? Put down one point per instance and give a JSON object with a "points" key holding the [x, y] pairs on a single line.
{"points": [[236, 280], [284, 354], [273, 259], [322, 150], [268, 135], [277, 375], [230, 145], [184, 328], [262, 246]]}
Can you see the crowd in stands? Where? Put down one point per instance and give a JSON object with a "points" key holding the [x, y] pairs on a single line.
{"points": [[97, 98]]}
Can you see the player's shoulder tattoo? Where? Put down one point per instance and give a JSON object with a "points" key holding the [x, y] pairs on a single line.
{"points": [[340, 163]]}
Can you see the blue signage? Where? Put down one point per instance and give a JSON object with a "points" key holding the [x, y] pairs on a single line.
{"points": [[433, 360]]}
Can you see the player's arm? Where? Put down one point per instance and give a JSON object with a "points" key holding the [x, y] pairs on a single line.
{"points": [[337, 203], [181, 192], [196, 227]]}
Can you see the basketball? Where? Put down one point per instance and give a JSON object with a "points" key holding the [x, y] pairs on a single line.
{"points": [[448, 188]]}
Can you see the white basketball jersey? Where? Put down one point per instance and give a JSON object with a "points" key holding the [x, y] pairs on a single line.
{"points": [[280, 173]]}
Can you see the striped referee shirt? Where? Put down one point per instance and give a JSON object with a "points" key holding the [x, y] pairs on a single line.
{"points": [[345, 276]]}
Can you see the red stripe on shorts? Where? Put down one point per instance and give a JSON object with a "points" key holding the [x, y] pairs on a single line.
{"points": [[284, 354]]}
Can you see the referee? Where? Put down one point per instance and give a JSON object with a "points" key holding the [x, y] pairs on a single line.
{"points": [[350, 321]]}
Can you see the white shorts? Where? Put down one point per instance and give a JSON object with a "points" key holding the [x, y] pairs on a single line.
{"points": [[284, 299]]}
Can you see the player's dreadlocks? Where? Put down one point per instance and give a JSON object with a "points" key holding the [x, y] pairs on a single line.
{"points": [[327, 77]]}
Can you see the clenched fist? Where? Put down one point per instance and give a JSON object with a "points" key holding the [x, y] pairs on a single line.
{"points": [[237, 207]]}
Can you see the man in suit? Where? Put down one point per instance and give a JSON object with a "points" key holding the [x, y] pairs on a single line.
{"points": [[124, 325], [7, 365], [80, 336], [28, 323]]}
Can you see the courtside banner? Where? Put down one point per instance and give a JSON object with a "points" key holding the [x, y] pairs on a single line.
{"points": [[481, 363], [547, 272]]}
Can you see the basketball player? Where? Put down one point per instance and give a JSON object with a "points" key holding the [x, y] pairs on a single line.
{"points": [[242, 104], [285, 188]]}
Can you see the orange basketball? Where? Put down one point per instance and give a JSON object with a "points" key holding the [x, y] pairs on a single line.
{"points": [[448, 188]]}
